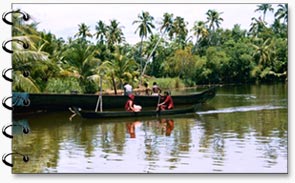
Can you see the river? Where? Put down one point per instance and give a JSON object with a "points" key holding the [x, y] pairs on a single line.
{"points": [[243, 129]]}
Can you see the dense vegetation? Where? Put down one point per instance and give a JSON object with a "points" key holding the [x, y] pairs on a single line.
{"points": [[213, 55]]}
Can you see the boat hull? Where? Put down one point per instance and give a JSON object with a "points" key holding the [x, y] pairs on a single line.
{"points": [[125, 114], [61, 102]]}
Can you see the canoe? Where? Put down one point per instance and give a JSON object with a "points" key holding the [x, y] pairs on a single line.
{"points": [[61, 102], [126, 114]]}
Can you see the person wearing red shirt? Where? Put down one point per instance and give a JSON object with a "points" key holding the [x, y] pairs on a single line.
{"points": [[130, 106], [168, 102]]}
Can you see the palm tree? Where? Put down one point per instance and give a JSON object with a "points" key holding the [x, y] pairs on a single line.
{"points": [[264, 8], [101, 31], [80, 62], [84, 31], [167, 24], [214, 19], [145, 27], [282, 12], [263, 52], [121, 68], [179, 31], [257, 26], [199, 29], [114, 33]]}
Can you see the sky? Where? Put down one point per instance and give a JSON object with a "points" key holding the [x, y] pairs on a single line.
{"points": [[63, 19]]}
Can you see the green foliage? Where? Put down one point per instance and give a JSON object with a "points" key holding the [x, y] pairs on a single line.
{"points": [[63, 85], [168, 83], [210, 55]]}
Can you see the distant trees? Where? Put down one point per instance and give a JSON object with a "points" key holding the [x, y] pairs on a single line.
{"points": [[206, 54]]}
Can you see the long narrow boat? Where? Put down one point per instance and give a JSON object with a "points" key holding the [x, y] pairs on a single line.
{"points": [[61, 102], [123, 114]]}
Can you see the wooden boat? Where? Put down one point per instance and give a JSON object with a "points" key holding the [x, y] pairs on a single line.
{"points": [[61, 102], [124, 114]]}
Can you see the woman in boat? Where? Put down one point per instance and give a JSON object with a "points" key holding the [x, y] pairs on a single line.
{"points": [[168, 102], [156, 89], [130, 106]]}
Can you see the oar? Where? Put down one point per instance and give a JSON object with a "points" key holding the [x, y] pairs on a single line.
{"points": [[99, 100], [157, 109]]}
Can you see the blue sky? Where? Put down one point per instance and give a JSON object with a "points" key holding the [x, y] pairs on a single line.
{"points": [[63, 19]]}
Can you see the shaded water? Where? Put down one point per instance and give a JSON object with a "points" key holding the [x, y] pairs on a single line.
{"points": [[242, 130]]}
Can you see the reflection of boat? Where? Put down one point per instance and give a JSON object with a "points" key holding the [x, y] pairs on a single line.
{"points": [[60, 102], [121, 114]]}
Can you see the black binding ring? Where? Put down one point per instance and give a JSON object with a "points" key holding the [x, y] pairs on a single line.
{"points": [[25, 74], [26, 16], [25, 130], [25, 102], [25, 158], [25, 45], [4, 75]]}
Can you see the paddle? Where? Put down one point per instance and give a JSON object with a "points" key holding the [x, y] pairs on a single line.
{"points": [[99, 99], [159, 97]]}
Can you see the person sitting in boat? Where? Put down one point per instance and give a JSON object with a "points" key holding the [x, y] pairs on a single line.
{"points": [[168, 102], [156, 89], [130, 106]]}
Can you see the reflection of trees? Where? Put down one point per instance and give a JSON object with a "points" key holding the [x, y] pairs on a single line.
{"points": [[268, 127]]}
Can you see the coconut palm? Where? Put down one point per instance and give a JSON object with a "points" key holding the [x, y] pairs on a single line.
{"points": [[257, 26], [200, 31], [179, 31], [264, 8], [121, 68], [83, 32], [114, 33], [264, 52], [101, 31], [80, 62], [213, 19], [145, 21], [166, 26], [282, 12]]}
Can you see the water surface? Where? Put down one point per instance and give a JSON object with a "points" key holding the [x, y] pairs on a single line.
{"points": [[244, 129]]}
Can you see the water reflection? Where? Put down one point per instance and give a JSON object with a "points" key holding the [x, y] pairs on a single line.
{"points": [[248, 141]]}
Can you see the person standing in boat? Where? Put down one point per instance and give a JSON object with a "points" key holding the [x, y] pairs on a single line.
{"points": [[147, 90], [127, 89], [168, 102], [130, 106], [156, 89]]}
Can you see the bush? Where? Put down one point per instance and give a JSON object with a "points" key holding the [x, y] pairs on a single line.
{"points": [[63, 85], [168, 83]]}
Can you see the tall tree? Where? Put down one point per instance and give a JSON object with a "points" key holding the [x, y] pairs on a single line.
{"points": [[282, 12], [213, 19], [145, 21], [200, 31], [114, 33], [257, 26], [166, 26], [83, 32], [264, 8], [101, 31]]}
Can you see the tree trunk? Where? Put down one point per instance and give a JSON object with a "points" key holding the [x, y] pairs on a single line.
{"points": [[114, 84]]}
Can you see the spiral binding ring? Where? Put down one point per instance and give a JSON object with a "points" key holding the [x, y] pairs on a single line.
{"points": [[4, 75], [25, 158], [25, 102], [25, 74], [25, 45], [26, 16], [26, 130]]}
